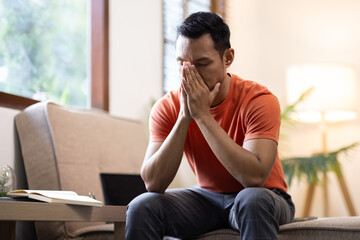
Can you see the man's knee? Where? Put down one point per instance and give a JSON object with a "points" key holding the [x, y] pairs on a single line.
{"points": [[253, 214], [146, 202], [253, 200], [143, 217], [145, 212]]}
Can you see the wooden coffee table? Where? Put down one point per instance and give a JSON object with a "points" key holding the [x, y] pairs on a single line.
{"points": [[12, 211]]}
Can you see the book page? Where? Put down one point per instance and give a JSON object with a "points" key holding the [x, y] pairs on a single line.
{"points": [[25, 193], [51, 196], [66, 198]]}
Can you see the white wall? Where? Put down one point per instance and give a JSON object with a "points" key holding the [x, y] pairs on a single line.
{"points": [[270, 36], [7, 137], [9, 145], [135, 56]]}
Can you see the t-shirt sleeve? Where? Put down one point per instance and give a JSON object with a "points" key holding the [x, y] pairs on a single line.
{"points": [[263, 118], [162, 118]]}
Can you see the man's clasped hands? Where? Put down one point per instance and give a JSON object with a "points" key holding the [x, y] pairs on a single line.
{"points": [[196, 97]]}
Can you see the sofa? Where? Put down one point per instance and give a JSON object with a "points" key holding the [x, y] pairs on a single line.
{"points": [[65, 148]]}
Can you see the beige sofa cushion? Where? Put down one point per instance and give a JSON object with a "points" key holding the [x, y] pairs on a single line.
{"points": [[331, 228], [66, 149]]}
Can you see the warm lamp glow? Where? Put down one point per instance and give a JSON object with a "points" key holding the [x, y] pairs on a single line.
{"points": [[334, 96]]}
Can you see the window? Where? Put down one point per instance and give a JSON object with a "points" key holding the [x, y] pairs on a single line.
{"points": [[174, 13], [45, 49]]}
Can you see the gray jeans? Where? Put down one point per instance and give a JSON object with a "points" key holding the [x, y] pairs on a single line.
{"points": [[255, 213]]}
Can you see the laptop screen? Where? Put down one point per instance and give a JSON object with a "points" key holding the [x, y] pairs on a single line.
{"points": [[120, 189]]}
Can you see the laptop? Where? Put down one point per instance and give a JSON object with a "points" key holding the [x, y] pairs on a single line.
{"points": [[120, 189]]}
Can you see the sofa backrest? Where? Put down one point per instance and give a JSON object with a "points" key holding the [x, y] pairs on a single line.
{"points": [[66, 149]]}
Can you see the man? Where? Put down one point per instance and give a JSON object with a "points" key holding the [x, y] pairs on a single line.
{"points": [[228, 128]]}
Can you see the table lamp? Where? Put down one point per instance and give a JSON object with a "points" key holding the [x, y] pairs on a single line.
{"points": [[333, 98]]}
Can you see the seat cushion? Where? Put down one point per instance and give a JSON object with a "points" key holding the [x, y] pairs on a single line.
{"points": [[332, 228], [322, 228]]}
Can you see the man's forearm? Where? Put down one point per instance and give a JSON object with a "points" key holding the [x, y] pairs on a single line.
{"points": [[247, 167], [160, 167]]}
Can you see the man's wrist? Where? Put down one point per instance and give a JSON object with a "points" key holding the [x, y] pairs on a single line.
{"points": [[203, 117], [184, 119]]}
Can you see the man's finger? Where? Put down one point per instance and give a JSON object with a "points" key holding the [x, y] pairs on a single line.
{"points": [[190, 76], [185, 85], [183, 70], [197, 76], [215, 90]]}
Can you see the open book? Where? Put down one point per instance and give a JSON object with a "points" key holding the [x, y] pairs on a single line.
{"points": [[50, 196]]}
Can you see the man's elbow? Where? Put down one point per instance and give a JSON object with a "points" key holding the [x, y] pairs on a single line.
{"points": [[154, 188], [255, 181], [153, 185]]}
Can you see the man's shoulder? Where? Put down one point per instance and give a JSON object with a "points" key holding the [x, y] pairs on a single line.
{"points": [[169, 102], [249, 89], [251, 85], [171, 97]]}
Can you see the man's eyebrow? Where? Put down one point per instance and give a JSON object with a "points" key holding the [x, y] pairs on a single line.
{"points": [[197, 60], [202, 59]]}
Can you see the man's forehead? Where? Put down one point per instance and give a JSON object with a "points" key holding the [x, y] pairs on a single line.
{"points": [[199, 49], [204, 40]]}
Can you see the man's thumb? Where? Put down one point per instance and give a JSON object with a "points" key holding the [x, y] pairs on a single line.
{"points": [[215, 90]]}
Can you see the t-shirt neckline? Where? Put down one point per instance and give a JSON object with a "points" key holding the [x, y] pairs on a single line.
{"points": [[224, 103]]}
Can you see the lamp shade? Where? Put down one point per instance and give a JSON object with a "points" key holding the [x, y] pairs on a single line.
{"points": [[334, 95]]}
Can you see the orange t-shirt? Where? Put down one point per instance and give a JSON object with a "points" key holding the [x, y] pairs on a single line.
{"points": [[249, 111]]}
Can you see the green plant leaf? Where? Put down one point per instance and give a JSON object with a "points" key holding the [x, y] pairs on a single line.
{"points": [[310, 167]]}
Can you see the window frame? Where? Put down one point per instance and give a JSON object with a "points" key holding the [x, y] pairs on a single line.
{"points": [[99, 63]]}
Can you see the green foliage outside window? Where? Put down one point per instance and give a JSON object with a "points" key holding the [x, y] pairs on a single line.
{"points": [[44, 50]]}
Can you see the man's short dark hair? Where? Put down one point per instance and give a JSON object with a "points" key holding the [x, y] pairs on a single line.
{"points": [[200, 23]]}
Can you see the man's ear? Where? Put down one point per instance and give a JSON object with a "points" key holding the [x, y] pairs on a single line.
{"points": [[228, 57]]}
